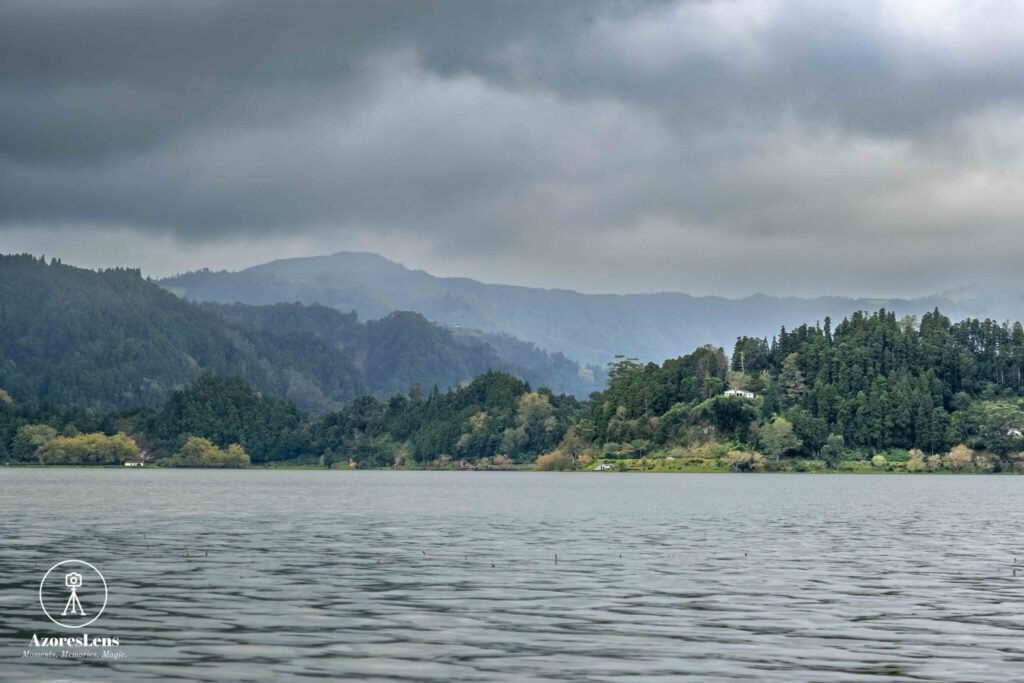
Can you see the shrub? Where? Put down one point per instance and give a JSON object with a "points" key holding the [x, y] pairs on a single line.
{"points": [[89, 449], [893, 455], [744, 461], [959, 459], [915, 461], [200, 452], [501, 462], [612, 449], [879, 461], [556, 460], [985, 461], [834, 450], [30, 439]]}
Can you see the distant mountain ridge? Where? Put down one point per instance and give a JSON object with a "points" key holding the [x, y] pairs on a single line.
{"points": [[113, 340], [590, 328]]}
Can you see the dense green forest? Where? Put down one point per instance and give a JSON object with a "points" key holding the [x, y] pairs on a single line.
{"points": [[113, 340], [875, 384], [877, 392], [496, 417], [106, 340]]}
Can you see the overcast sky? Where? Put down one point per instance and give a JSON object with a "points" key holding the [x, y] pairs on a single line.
{"points": [[801, 147]]}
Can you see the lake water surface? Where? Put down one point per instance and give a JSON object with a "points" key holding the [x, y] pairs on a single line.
{"points": [[289, 575]]}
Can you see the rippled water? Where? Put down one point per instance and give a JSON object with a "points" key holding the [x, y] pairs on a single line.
{"points": [[270, 576]]}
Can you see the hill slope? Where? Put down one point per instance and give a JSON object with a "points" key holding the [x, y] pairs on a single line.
{"points": [[106, 339], [591, 328], [112, 339]]}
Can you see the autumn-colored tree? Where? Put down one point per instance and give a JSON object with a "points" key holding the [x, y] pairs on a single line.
{"points": [[235, 456], [572, 443], [959, 458], [556, 460], [501, 462], [535, 428], [200, 452], [916, 461], [89, 449]]}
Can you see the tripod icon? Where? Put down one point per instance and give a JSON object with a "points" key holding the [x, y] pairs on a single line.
{"points": [[74, 582]]}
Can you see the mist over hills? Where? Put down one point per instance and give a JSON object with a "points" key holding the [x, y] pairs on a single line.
{"points": [[589, 328], [295, 329], [114, 340]]}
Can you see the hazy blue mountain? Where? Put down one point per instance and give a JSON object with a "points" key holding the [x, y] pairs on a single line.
{"points": [[590, 328]]}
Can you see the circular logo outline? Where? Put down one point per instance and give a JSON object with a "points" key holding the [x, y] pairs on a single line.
{"points": [[106, 594]]}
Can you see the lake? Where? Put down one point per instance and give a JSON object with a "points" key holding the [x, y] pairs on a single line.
{"points": [[472, 576]]}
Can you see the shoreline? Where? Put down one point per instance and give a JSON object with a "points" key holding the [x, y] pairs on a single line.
{"points": [[313, 468]]}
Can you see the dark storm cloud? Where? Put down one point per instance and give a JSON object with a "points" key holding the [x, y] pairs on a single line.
{"points": [[108, 75], [580, 143]]}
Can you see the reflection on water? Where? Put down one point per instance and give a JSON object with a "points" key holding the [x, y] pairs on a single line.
{"points": [[269, 576]]}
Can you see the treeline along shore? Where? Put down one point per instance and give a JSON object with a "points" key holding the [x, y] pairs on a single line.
{"points": [[875, 393]]}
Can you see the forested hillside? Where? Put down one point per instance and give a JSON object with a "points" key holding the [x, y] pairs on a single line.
{"points": [[107, 339], [400, 350], [874, 384], [113, 340], [374, 288], [877, 391], [380, 357], [224, 411], [495, 420]]}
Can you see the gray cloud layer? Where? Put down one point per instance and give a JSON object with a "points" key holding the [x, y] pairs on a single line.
{"points": [[799, 147]]}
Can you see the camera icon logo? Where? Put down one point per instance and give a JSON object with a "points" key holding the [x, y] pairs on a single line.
{"points": [[76, 601]]}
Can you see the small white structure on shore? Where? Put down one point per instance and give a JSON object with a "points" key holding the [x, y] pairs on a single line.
{"points": [[741, 393], [134, 463], [603, 467]]}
